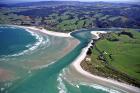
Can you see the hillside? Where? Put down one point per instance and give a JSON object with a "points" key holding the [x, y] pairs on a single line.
{"points": [[69, 16]]}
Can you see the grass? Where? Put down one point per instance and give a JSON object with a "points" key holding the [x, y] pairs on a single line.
{"points": [[125, 53], [124, 64]]}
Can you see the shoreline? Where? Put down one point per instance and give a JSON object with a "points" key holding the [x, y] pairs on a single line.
{"points": [[109, 82], [45, 31], [76, 63], [59, 34], [72, 44]]}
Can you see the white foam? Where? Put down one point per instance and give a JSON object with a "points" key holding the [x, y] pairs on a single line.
{"points": [[8, 27], [103, 88], [29, 45], [62, 74], [95, 86], [61, 86], [31, 48], [40, 41], [44, 66], [3, 27], [2, 89]]}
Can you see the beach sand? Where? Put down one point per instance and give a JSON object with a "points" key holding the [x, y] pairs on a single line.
{"points": [[45, 60], [97, 79], [76, 63], [53, 33], [53, 56], [86, 75], [6, 75]]}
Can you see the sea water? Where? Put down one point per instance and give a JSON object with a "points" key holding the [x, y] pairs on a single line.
{"points": [[24, 62], [14, 41]]}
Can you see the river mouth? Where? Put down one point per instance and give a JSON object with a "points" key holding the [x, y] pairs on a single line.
{"points": [[40, 50], [40, 71]]}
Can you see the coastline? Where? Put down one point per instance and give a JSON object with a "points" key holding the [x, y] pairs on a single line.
{"points": [[76, 63], [59, 34], [96, 33], [71, 45], [103, 81], [45, 31]]}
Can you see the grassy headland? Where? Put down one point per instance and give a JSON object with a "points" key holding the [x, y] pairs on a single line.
{"points": [[116, 55]]}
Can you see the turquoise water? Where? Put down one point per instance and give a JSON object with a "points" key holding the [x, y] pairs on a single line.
{"points": [[12, 40], [47, 79]]}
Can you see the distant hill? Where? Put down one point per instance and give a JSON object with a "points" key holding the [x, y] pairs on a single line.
{"points": [[71, 15], [42, 3], [3, 5]]}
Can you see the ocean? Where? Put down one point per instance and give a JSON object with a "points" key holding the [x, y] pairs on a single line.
{"points": [[32, 62]]}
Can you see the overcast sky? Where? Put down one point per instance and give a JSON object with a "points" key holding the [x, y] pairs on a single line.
{"points": [[15, 1]]}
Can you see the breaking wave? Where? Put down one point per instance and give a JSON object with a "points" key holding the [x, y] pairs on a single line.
{"points": [[40, 42], [103, 88], [61, 86], [94, 86]]}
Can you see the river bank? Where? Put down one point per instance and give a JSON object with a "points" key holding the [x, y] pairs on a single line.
{"points": [[77, 68], [71, 42], [80, 58], [97, 79], [59, 34], [52, 47]]}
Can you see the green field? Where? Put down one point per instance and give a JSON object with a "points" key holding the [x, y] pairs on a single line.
{"points": [[125, 53], [116, 56]]}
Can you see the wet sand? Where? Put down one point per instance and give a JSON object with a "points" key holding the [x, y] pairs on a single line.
{"points": [[71, 44], [48, 57], [5, 75], [86, 76], [76, 72]]}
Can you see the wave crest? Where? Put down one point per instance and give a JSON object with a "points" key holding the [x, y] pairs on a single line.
{"points": [[41, 41], [92, 85], [103, 88], [61, 86]]}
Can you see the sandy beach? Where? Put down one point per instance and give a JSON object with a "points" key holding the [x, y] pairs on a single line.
{"points": [[101, 80], [72, 43], [76, 63], [59, 34], [78, 60], [96, 33], [66, 43]]}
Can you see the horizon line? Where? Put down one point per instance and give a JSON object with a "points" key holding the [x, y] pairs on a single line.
{"points": [[67, 1]]}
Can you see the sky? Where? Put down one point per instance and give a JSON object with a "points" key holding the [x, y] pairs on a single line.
{"points": [[18, 1]]}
